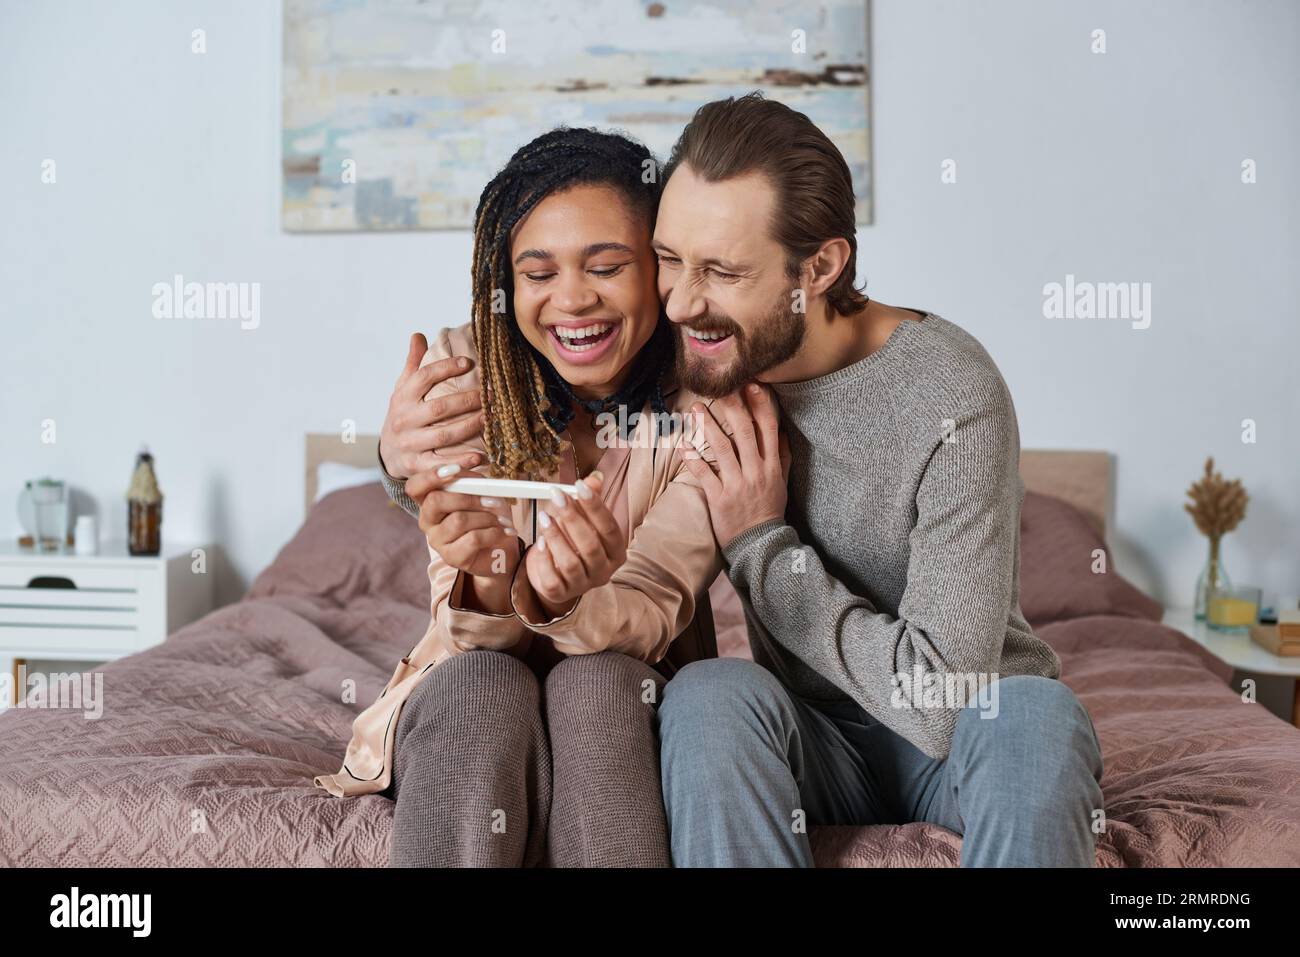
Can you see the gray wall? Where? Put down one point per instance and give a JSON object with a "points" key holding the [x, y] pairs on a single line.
{"points": [[1122, 167]]}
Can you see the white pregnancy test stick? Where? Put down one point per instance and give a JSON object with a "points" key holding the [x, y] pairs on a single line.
{"points": [[509, 488]]}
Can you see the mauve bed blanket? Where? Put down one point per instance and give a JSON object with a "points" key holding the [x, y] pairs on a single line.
{"points": [[207, 744]]}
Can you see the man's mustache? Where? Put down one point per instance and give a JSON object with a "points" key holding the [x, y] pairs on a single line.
{"points": [[715, 323]]}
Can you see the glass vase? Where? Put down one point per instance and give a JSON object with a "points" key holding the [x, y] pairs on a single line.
{"points": [[1213, 577]]}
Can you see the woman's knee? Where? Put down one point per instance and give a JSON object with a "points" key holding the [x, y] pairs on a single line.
{"points": [[607, 809], [470, 687], [471, 755], [607, 679]]}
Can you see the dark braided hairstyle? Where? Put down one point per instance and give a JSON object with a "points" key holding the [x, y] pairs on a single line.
{"points": [[526, 403]]}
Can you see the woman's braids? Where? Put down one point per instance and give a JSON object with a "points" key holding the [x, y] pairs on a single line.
{"points": [[526, 404]]}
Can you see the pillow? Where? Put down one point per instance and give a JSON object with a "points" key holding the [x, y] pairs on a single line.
{"points": [[332, 476], [1057, 582], [355, 542]]}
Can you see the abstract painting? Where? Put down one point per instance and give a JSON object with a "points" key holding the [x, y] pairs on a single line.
{"points": [[398, 112]]}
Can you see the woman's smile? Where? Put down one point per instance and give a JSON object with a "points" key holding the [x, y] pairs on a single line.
{"points": [[584, 342]]}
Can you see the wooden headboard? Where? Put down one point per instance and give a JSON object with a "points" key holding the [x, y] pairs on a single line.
{"points": [[330, 447], [1083, 478]]}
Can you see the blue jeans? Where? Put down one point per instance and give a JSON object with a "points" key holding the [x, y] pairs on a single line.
{"points": [[747, 765]]}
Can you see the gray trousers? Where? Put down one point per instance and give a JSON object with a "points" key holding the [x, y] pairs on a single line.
{"points": [[496, 766], [747, 765]]}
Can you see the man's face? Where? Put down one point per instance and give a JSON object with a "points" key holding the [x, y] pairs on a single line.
{"points": [[723, 281]]}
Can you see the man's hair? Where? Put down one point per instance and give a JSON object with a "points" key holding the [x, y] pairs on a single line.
{"points": [[814, 188]]}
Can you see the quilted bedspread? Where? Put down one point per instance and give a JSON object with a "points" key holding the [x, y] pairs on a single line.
{"points": [[206, 748]]}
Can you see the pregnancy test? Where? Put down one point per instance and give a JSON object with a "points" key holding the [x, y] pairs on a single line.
{"points": [[509, 488]]}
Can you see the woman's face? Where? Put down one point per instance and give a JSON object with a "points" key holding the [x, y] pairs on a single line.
{"points": [[584, 286]]}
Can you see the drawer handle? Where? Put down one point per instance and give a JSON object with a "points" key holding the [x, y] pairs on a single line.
{"points": [[51, 581]]}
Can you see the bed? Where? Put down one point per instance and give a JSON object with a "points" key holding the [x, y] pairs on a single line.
{"points": [[208, 743]]}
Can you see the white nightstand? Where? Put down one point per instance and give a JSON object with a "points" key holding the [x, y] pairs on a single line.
{"points": [[1235, 648], [68, 607]]}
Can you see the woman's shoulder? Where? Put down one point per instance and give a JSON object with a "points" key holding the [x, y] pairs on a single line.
{"points": [[448, 343], [451, 341]]}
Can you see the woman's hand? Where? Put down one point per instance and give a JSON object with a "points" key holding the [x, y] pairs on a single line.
{"points": [[579, 547], [471, 533]]}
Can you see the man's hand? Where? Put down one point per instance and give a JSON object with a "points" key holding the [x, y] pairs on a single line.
{"points": [[414, 430], [579, 547], [746, 485]]}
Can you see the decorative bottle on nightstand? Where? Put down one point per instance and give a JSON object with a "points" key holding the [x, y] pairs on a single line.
{"points": [[144, 508]]}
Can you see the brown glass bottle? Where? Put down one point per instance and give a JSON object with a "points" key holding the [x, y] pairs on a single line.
{"points": [[144, 509]]}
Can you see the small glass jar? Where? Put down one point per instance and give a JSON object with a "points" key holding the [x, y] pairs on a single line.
{"points": [[1233, 609]]}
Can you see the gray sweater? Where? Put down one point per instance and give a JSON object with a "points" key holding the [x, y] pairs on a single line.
{"points": [[396, 488], [901, 546]]}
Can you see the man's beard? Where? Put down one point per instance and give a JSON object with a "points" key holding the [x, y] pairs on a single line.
{"points": [[773, 340]]}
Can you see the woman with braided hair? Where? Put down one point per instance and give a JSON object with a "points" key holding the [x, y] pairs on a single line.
{"points": [[521, 728]]}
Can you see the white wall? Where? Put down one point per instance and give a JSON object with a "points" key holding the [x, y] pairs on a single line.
{"points": [[1115, 167]]}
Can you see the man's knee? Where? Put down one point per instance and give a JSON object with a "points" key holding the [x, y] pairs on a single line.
{"points": [[720, 696], [1033, 712], [1035, 701]]}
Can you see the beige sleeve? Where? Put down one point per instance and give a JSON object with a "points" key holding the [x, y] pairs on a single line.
{"points": [[672, 558], [455, 628]]}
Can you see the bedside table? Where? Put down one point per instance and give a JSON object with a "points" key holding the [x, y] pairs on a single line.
{"points": [[62, 606], [1236, 649]]}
